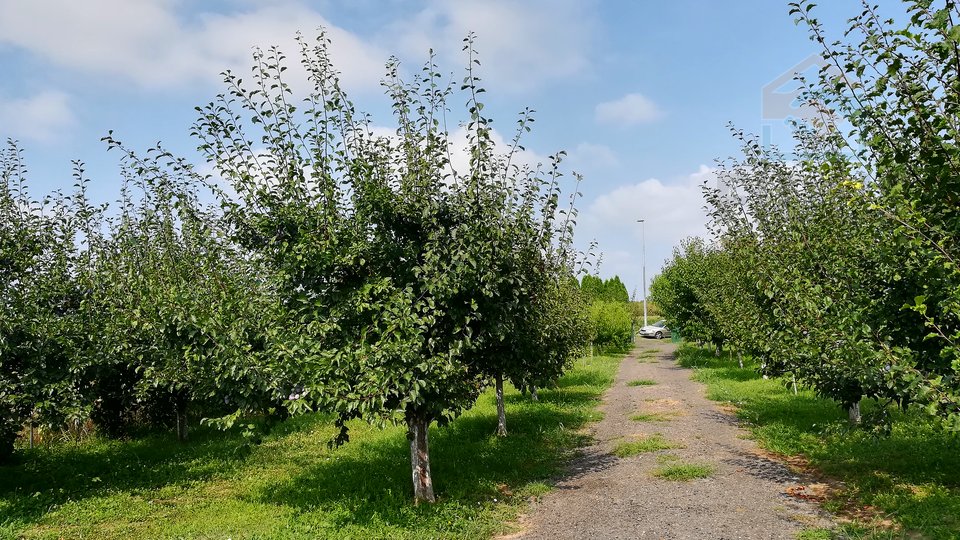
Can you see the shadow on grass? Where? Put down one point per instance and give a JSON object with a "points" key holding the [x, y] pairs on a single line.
{"points": [[362, 488], [737, 374], [583, 378], [564, 396], [694, 357], [916, 453], [43, 478], [471, 467]]}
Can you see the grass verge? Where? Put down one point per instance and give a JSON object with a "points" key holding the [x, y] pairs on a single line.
{"points": [[293, 486], [651, 443], [641, 382], [909, 480], [683, 472]]}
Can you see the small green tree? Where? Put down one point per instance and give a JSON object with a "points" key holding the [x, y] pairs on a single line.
{"points": [[389, 265], [531, 262], [592, 288], [681, 291], [40, 298], [615, 291], [816, 276]]}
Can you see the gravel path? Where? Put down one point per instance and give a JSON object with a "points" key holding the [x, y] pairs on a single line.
{"points": [[608, 497]]}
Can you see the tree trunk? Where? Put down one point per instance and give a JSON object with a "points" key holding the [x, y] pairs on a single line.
{"points": [[7, 438], [740, 359], [794, 385], [182, 430], [420, 459], [533, 393], [853, 413], [501, 413]]}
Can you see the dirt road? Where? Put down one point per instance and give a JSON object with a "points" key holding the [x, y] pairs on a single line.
{"points": [[609, 497]]}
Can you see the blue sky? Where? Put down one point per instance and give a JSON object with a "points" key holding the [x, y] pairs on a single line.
{"points": [[638, 93]]}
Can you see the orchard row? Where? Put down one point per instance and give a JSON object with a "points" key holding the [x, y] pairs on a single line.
{"points": [[323, 267], [836, 266]]}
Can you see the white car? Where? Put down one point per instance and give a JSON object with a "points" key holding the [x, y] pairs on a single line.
{"points": [[657, 330]]}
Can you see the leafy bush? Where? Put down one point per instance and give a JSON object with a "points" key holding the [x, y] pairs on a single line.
{"points": [[611, 325]]}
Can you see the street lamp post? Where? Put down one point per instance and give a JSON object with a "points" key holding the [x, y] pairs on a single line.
{"points": [[643, 255]]}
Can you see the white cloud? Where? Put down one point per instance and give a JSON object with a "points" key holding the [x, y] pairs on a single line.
{"points": [[672, 210], [150, 43], [589, 155], [162, 44], [227, 40], [460, 151], [40, 117], [460, 148], [521, 45], [630, 110]]}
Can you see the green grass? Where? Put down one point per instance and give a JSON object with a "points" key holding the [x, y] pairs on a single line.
{"points": [[816, 534], [646, 444], [648, 356], [641, 382], [911, 477], [668, 458], [293, 486], [683, 472], [651, 417]]}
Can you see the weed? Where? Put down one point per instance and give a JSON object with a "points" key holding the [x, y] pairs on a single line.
{"points": [[651, 417], [641, 446], [682, 472]]}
